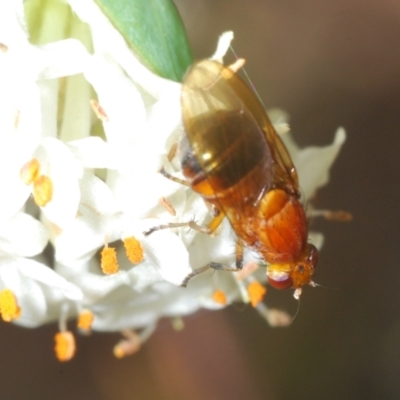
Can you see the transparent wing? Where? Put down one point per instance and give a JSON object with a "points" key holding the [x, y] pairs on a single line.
{"points": [[232, 138], [285, 172]]}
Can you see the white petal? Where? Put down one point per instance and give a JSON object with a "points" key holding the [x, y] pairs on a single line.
{"points": [[13, 156], [166, 252], [194, 209], [313, 164], [62, 58], [220, 248], [20, 130], [39, 290], [80, 240], [20, 105], [224, 42], [138, 192], [278, 116], [209, 303], [23, 235], [85, 235], [107, 40], [15, 191], [49, 103], [93, 152], [46, 276], [142, 309], [164, 118], [93, 283], [138, 310], [60, 165], [96, 194], [119, 98], [12, 23], [53, 60], [163, 250]]}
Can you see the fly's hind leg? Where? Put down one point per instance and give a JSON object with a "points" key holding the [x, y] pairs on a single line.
{"points": [[219, 266]]}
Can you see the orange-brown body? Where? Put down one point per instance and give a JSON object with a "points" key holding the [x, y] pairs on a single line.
{"points": [[232, 156]]}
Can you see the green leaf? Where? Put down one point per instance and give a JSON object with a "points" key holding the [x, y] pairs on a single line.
{"points": [[155, 32]]}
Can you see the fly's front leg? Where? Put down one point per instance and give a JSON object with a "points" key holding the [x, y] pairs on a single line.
{"points": [[167, 175], [219, 266], [209, 229], [218, 217]]}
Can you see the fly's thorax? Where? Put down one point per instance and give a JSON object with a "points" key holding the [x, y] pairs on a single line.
{"points": [[281, 227]]}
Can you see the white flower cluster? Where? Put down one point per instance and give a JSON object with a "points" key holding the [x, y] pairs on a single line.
{"points": [[91, 192]]}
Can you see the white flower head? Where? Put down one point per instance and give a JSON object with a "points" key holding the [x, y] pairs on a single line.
{"points": [[97, 193]]}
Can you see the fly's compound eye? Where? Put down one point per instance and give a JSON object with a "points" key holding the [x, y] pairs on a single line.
{"points": [[280, 280]]}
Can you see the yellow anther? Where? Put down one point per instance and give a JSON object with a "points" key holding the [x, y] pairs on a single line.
{"points": [[30, 171], [65, 345], [256, 293], [9, 309], [134, 250], [109, 262], [42, 190], [118, 350], [219, 297], [128, 346], [85, 321]]}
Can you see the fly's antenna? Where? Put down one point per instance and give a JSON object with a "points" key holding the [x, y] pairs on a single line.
{"points": [[253, 88], [326, 287], [297, 311]]}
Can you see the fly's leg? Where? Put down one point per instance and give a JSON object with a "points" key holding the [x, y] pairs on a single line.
{"points": [[218, 217], [190, 224], [208, 230], [163, 172], [219, 266]]}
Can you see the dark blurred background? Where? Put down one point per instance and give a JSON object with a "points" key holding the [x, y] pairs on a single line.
{"points": [[329, 63]]}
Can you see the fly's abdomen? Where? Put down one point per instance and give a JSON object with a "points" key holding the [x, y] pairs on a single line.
{"points": [[226, 158]]}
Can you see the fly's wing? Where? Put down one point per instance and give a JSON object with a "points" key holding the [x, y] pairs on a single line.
{"points": [[226, 139], [232, 138], [285, 172]]}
